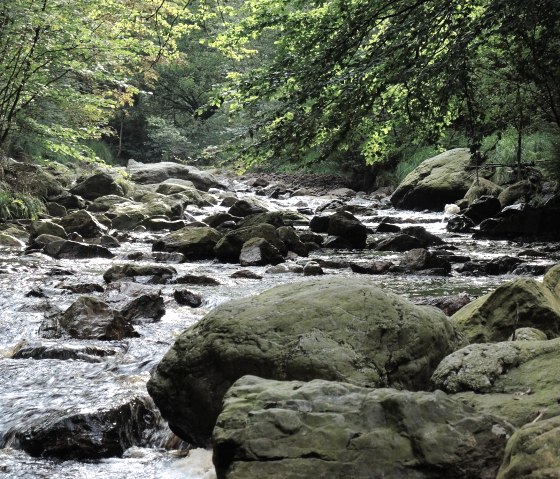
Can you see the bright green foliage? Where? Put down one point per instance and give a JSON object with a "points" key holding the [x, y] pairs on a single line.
{"points": [[365, 75], [66, 65], [19, 206]]}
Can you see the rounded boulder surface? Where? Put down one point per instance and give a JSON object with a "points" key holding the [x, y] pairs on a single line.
{"points": [[342, 329]]}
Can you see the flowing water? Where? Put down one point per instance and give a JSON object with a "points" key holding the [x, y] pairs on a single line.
{"points": [[33, 390]]}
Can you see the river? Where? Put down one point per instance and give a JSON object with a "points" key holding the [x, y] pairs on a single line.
{"points": [[32, 390]]}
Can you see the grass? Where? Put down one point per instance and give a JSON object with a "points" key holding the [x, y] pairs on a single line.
{"points": [[19, 206]]}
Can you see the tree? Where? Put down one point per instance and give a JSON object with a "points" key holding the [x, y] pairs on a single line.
{"points": [[65, 66], [359, 75]]}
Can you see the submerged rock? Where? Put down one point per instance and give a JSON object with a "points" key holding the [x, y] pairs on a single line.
{"points": [[124, 271], [331, 429], [64, 352], [187, 298], [63, 249], [343, 329]]}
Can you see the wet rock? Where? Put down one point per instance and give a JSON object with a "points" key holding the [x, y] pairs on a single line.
{"points": [[245, 273], [319, 224], [295, 218], [329, 429], [336, 329], [484, 187], [496, 266], [160, 224], [523, 221], [47, 227], [344, 192], [192, 242], [163, 257], [349, 228], [290, 238], [246, 207], [371, 267], [400, 242], [197, 279], [438, 181], [135, 303], [285, 268], [448, 304], [421, 259], [40, 241], [385, 227], [483, 208], [82, 288], [83, 223], [151, 173], [105, 432], [63, 249], [95, 186], [127, 221], [259, 252], [63, 352], [425, 237], [513, 380], [310, 237], [529, 452], [274, 218], [126, 271], [312, 268], [218, 219], [228, 249], [459, 224], [515, 304], [185, 297], [91, 318]]}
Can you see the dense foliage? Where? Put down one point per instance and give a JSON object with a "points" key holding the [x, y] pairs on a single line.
{"points": [[367, 76]]}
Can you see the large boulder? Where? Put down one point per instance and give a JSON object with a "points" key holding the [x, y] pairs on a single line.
{"points": [[31, 178], [100, 184], [532, 452], [152, 173], [341, 329], [192, 242], [333, 429], [520, 303], [515, 380], [46, 227], [438, 181]]}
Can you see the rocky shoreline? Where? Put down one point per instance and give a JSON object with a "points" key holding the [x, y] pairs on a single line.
{"points": [[331, 376]]}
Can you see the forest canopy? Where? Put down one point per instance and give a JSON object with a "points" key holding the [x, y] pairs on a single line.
{"points": [[276, 81]]}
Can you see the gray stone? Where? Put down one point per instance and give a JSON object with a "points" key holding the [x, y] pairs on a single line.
{"points": [[331, 429], [344, 329]]}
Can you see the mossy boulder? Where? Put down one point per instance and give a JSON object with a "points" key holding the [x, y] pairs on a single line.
{"points": [[228, 249], [442, 179], [532, 452], [341, 329], [332, 429], [483, 187], [515, 380], [520, 303], [193, 242], [83, 223]]}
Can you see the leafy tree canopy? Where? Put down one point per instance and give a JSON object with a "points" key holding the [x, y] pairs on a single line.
{"points": [[66, 65], [355, 75]]}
